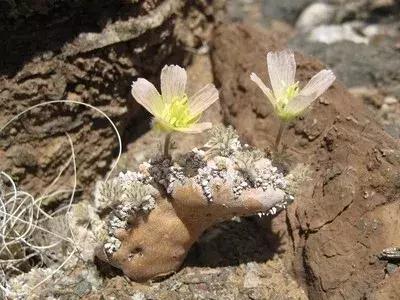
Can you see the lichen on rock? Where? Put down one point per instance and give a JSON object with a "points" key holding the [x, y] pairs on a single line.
{"points": [[63, 285], [171, 202]]}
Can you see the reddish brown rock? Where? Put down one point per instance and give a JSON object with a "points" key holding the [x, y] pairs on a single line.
{"points": [[346, 216], [89, 53]]}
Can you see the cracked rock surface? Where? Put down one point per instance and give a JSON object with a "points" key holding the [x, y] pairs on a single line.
{"points": [[86, 52], [346, 216]]}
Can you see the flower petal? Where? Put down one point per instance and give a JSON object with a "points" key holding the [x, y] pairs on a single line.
{"points": [[203, 99], [147, 95], [264, 88], [281, 70], [196, 128], [318, 84], [161, 125], [173, 82]]}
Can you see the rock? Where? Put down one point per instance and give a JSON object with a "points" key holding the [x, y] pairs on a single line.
{"points": [[244, 10], [370, 96], [390, 100], [95, 62], [211, 283], [372, 66], [389, 289], [381, 4], [371, 74], [329, 34], [386, 109], [371, 30], [363, 9], [284, 10], [391, 268], [139, 296], [316, 14], [334, 232]]}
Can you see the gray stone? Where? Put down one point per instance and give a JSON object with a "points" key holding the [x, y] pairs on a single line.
{"points": [[329, 34], [356, 64], [391, 268], [284, 10], [316, 14], [390, 100]]}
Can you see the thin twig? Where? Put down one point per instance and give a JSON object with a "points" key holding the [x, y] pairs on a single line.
{"points": [[21, 216], [282, 127], [167, 143]]}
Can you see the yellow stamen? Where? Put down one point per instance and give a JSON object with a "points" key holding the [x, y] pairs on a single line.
{"points": [[176, 114], [288, 95]]}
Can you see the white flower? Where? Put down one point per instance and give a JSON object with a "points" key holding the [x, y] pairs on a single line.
{"points": [[286, 97], [173, 110]]}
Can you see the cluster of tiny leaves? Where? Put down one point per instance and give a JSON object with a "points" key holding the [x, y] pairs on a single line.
{"points": [[297, 177], [246, 159], [224, 141], [111, 191]]}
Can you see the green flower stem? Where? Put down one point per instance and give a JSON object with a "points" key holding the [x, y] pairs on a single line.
{"points": [[167, 143], [282, 127]]}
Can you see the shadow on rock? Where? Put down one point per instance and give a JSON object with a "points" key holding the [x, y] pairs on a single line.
{"points": [[236, 242]]}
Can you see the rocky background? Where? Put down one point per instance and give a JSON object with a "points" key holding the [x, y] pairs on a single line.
{"points": [[79, 51], [326, 246]]}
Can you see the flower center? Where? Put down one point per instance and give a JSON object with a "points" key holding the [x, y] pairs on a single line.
{"points": [[291, 92], [282, 101], [177, 113]]}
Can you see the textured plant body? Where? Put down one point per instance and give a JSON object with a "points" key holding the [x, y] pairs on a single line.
{"points": [[189, 200], [158, 245]]}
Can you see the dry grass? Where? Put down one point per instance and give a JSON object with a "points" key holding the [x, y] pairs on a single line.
{"points": [[26, 238]]}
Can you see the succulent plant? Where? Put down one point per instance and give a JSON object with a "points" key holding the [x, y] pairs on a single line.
{"points": [[147, 241]]}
